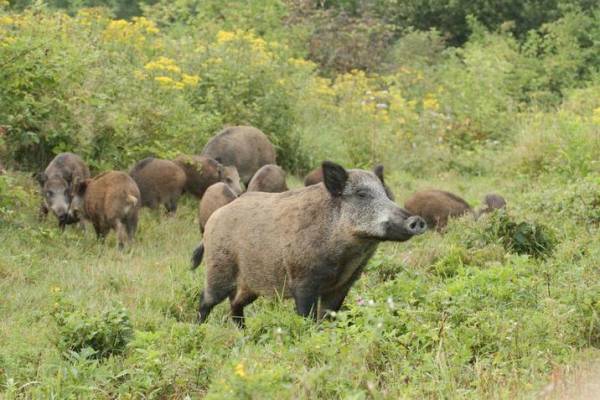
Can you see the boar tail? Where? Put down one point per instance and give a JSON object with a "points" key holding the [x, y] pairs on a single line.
{"points": [[132, 200], [131, 203], [197, 256]]}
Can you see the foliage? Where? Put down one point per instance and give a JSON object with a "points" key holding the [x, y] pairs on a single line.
{"points": [[451, 17], [521, 237], [97, 336], [11, 195], [494, 308]]}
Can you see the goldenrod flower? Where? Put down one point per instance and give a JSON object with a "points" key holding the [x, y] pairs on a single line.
{"points": [[596, 116], [190, 80], [239, 370], [430, 103], [164, 80], [225, 36]]}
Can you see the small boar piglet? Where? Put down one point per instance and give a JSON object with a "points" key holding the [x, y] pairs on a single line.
{"points": [[111, 200], [269, 178], [56, 183], [161, 182]]}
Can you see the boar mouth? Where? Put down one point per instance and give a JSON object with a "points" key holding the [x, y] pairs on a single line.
{"points": [[400, 232]]}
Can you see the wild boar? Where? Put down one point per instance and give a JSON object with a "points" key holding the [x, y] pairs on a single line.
{"points": [[316, 176], [437, 206], [111, 200], [56, 182], [161, 182], [492, 202], [215, 197], [202, 172], [244, 147], [269, 178], [310, 244]]}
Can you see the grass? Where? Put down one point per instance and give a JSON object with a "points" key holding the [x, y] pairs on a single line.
{"points": [[437, 317]]}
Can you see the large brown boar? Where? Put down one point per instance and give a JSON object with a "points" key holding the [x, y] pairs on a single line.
{"points": [[111, 200], [161, 182], [215, 197], [244, 147], [310, 244], [269, 178], [316, 176], [202, 172], [437, 206], [56, 182]]}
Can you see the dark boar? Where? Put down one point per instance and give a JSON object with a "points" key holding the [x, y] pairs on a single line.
{"points": [[316, 176], [313, 177], [310, 244], [159, 182], [214, 198], [269, 178], [202, 172], [244, 147], [492, 202], [437, 206], [56, 182], [111, 200]]}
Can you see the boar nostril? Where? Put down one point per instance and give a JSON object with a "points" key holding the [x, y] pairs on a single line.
{"points": [[415, 225]]}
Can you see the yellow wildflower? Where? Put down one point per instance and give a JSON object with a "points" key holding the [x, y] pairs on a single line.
{"points": [[163, 64], [596, 116], [139, 75], [6, 20], [225, 36], [239, 370], [430, 103], [145, 24], [56, 289], [190, 80], [164, 80]]}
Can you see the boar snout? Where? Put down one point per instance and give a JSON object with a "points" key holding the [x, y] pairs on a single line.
{"points": [[404, 226], [415, 225]]}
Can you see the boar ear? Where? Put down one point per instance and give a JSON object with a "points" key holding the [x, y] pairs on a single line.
{"points": [[220, 171], [81, 187], [41, 177], [378, 170], [334, 177]]}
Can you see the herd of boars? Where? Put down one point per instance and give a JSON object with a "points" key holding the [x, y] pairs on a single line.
{"points": [[310, 244]]}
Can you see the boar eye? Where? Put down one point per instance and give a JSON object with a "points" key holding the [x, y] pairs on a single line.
{"points": [[49, 193], [363, 194]]}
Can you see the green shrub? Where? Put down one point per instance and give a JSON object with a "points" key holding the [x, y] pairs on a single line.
{"points": [[520, 237], [11, 196], [98, 335]]}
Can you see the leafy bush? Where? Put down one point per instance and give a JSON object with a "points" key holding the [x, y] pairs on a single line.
{"points": [[104, 335], [11, 195], [521, 238]]}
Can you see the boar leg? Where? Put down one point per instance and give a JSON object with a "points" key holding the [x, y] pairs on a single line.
{"points": [[306, 298], [209, 298], [122, 236], [171, 206], [100, 231], [131, 226], [333, 300], [241, 299], [43, 213]]}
